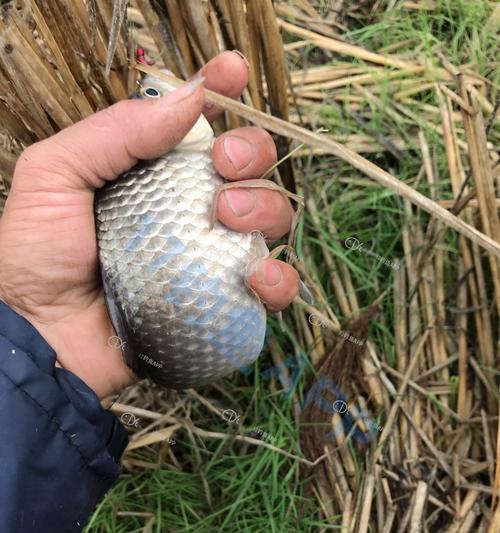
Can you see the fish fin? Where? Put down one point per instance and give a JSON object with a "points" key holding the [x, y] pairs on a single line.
{"points": [[305, 293], [117, 320]]}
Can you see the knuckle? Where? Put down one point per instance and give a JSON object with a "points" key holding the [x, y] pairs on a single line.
{"points": [[116, 121], [38, 160], [46, 156], [108, 118], [30, 156]]}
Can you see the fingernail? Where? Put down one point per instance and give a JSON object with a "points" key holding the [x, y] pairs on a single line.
{"points": [[242, 57], [267, 273], [239, 151], [240, 201], [181, 93]]}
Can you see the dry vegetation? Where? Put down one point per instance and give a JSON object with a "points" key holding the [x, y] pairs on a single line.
{"points": [[428, 363]]}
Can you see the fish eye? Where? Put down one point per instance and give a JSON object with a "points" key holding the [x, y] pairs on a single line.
{"points": [[150, 92]]}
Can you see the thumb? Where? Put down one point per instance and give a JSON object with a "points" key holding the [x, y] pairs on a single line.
{"points": [[102, 146]]}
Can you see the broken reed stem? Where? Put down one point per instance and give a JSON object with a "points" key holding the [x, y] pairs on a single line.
{"points": [[286, 129], [343, 48]]}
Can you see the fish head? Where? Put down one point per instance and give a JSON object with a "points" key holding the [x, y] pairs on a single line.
{"points": [[200, 137]]}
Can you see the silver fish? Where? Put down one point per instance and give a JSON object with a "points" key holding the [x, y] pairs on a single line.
{"points": [[175, 289]]}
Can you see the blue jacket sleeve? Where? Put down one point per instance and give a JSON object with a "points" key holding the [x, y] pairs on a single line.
{"points": [[59, 449]]}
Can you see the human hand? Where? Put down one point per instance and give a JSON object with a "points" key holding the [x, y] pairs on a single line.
{"points": [[49, 269]]}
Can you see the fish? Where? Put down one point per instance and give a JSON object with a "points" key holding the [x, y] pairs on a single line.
{"points": [[173, 280]]}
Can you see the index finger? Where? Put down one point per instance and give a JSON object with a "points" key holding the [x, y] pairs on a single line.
{"points": [[226, 74]]}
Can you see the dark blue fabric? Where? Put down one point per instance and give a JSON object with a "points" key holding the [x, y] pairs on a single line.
{"points": [[59, 449]]}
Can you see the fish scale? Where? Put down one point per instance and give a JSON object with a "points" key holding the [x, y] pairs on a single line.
{"points": [[175, 288]]}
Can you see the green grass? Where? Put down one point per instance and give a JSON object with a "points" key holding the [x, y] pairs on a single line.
{"points": [[257, 490]]}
